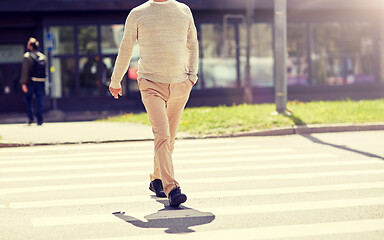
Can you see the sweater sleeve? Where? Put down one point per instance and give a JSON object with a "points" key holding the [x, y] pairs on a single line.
{"points": [[125, 51], [193, 50]]}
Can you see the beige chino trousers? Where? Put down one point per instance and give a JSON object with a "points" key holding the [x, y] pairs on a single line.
{"points": [[164, 104]]}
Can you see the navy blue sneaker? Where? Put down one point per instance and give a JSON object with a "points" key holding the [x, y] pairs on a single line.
{"points": [[176, 197], [156, 186]]}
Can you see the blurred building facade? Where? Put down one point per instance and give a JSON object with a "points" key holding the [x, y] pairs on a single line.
{"points": [[335, 50]]}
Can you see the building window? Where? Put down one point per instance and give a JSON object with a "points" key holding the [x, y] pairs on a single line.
{"points": [[359, 53], [342, 53], [88, 69], [63, 71], [111, 36], [86, 72], [106, 74], [87, 40], [261, 58], [11, 53], [63, 77], [326, 57], [218, 63], [297, 64], [64, 40]]}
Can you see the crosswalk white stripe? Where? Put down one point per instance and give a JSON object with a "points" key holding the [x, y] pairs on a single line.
{"points": [[272, 232], [285, 176], [219, 159], [294, 206], [208, 180], [254, 167], [232, 210], [178, 162], [189, 170], [289, 190], [70, 220], [54, 157], [138, 198], [73, 148], [128, 156], [109, 146]]}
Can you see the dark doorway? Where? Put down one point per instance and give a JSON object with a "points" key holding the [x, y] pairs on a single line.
{"points": [[11, 98]]}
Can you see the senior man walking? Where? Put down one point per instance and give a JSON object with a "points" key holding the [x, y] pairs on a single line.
{"points": [[168, 65]]}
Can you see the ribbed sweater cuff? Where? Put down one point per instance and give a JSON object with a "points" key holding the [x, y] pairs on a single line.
{"points": [[192, 77], [115, 85]]}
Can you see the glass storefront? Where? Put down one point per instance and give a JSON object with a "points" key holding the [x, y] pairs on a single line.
{"points": [[218, 67], [63, 77], [261, 55], [111, 36], [87, 40], [10, 58], [359, 53], [297, 62], [88, 71], [63, 62], [219, 63], [106, 74], [342, 53], [326, 55], [83, 70], [323, 53], [64, 39]]}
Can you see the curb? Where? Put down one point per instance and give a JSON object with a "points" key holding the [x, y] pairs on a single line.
{"points": [[339, 128], [300, 130], [10, 145]]}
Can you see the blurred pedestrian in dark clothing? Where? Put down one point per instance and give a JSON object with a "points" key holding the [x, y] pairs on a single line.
{"points": [[33, 74]]}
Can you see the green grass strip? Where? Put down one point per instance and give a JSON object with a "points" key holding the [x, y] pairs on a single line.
{"points": [[244, 117]]}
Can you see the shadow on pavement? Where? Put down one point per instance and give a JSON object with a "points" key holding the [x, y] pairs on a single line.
{"points": [[316, 140], [175, 220], [299, 122], [296, 120]]}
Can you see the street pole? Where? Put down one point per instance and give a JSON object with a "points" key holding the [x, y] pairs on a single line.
{"points": [[50, 46], [280, 44], [248, 98]]}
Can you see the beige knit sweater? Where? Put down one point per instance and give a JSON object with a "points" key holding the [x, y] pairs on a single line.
{"points": [[168, 44]]}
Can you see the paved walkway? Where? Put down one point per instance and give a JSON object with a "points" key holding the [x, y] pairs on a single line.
{"points": [[72, 132], [324, 186], [88, 131], [99, 132], [73, 127]]}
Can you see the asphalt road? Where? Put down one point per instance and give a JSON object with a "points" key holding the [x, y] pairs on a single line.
{"points": [[322, 186]]}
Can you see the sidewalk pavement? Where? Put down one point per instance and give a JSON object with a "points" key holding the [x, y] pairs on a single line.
{"points": [[13, 135], [71, 128], [89, 131], [72, 132]]}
